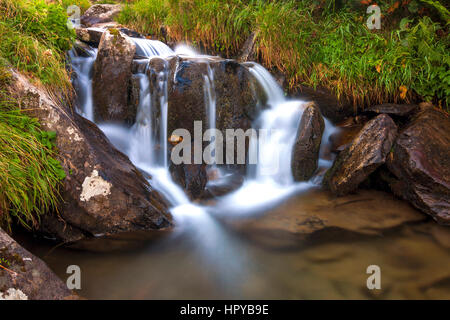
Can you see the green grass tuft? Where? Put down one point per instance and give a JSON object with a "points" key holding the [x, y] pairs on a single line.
{"points": [[30, 174]]}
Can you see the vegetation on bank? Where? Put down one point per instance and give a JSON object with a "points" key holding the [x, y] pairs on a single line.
{"points": [[320, 43], [33, 38]]}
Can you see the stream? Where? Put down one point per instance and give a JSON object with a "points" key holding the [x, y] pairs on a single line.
{"points": [[259, 241]]}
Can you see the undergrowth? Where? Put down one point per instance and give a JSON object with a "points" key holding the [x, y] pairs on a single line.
{"points": [[322, 43], [34, 39], [29, 171]]}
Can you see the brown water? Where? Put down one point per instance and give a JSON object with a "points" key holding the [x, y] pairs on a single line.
{"points": [[313, 246]]}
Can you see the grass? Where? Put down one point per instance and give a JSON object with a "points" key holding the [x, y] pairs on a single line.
{"points": [[29, 171], [34, 38], [320, 43]]}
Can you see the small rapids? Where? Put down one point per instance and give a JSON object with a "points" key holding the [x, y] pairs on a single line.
{"points": [[266, 184], [251, 243]]}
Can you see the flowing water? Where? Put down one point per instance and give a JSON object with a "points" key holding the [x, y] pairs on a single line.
{"points": [[252, 243]]}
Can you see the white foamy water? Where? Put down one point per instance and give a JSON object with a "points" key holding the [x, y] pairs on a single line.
{"points": [[82, 66], [266, 184]]}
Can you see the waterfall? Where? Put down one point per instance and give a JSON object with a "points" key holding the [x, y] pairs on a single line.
{"points": [[151, 48], [270, 180], [82, 67], [209, 91], [146, 143]]}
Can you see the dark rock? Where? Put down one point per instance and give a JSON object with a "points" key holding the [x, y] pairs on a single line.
{"points": [[248, 50], [421, 161], [134, 88], [367, 152], [393, 109], [237, 95], [103, 191], [111, 78], [305, 153], [27, 277], [131, 33], [191, 177], [332, 108], [139, 65], [342, 139], [81, 49], [91, 36], [100, 13]]}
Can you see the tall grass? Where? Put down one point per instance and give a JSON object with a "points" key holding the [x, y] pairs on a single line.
{"points": [[29, 172], [34, 38], [319, 43]]}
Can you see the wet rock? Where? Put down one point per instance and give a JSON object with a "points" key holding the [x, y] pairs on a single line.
{"points": [[27, 277], [134, 88], [103, 192], [367, 152], [305, 153], [81, 49], [139, 65], [248, 50], [332, 108], [236, 103], [420, 159], [91, 36], [393, 109], [111, 78], [100, 13], [342, 139], [191, 177]]}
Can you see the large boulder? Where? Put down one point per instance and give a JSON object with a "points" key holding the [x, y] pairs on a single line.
{"points": [[421, 161], [111, 78], [367, 152], [103, 192], [26, 277], [236, 91], [100, 13], [305, 153]]}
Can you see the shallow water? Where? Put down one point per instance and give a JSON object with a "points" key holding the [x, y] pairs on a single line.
{"points": [[270, 256]]}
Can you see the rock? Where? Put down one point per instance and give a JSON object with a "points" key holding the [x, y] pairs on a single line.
{"points": [[134, 93], [316, 214], [91, 36], [111, 78], [100, 13], [81, 49], [421, 162], [342, 139], [367, 152], [248, 50], [332, 108], [27, 277], [305, 153], [393, 109], [236, 102], [191, 177], [103, 191]]}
